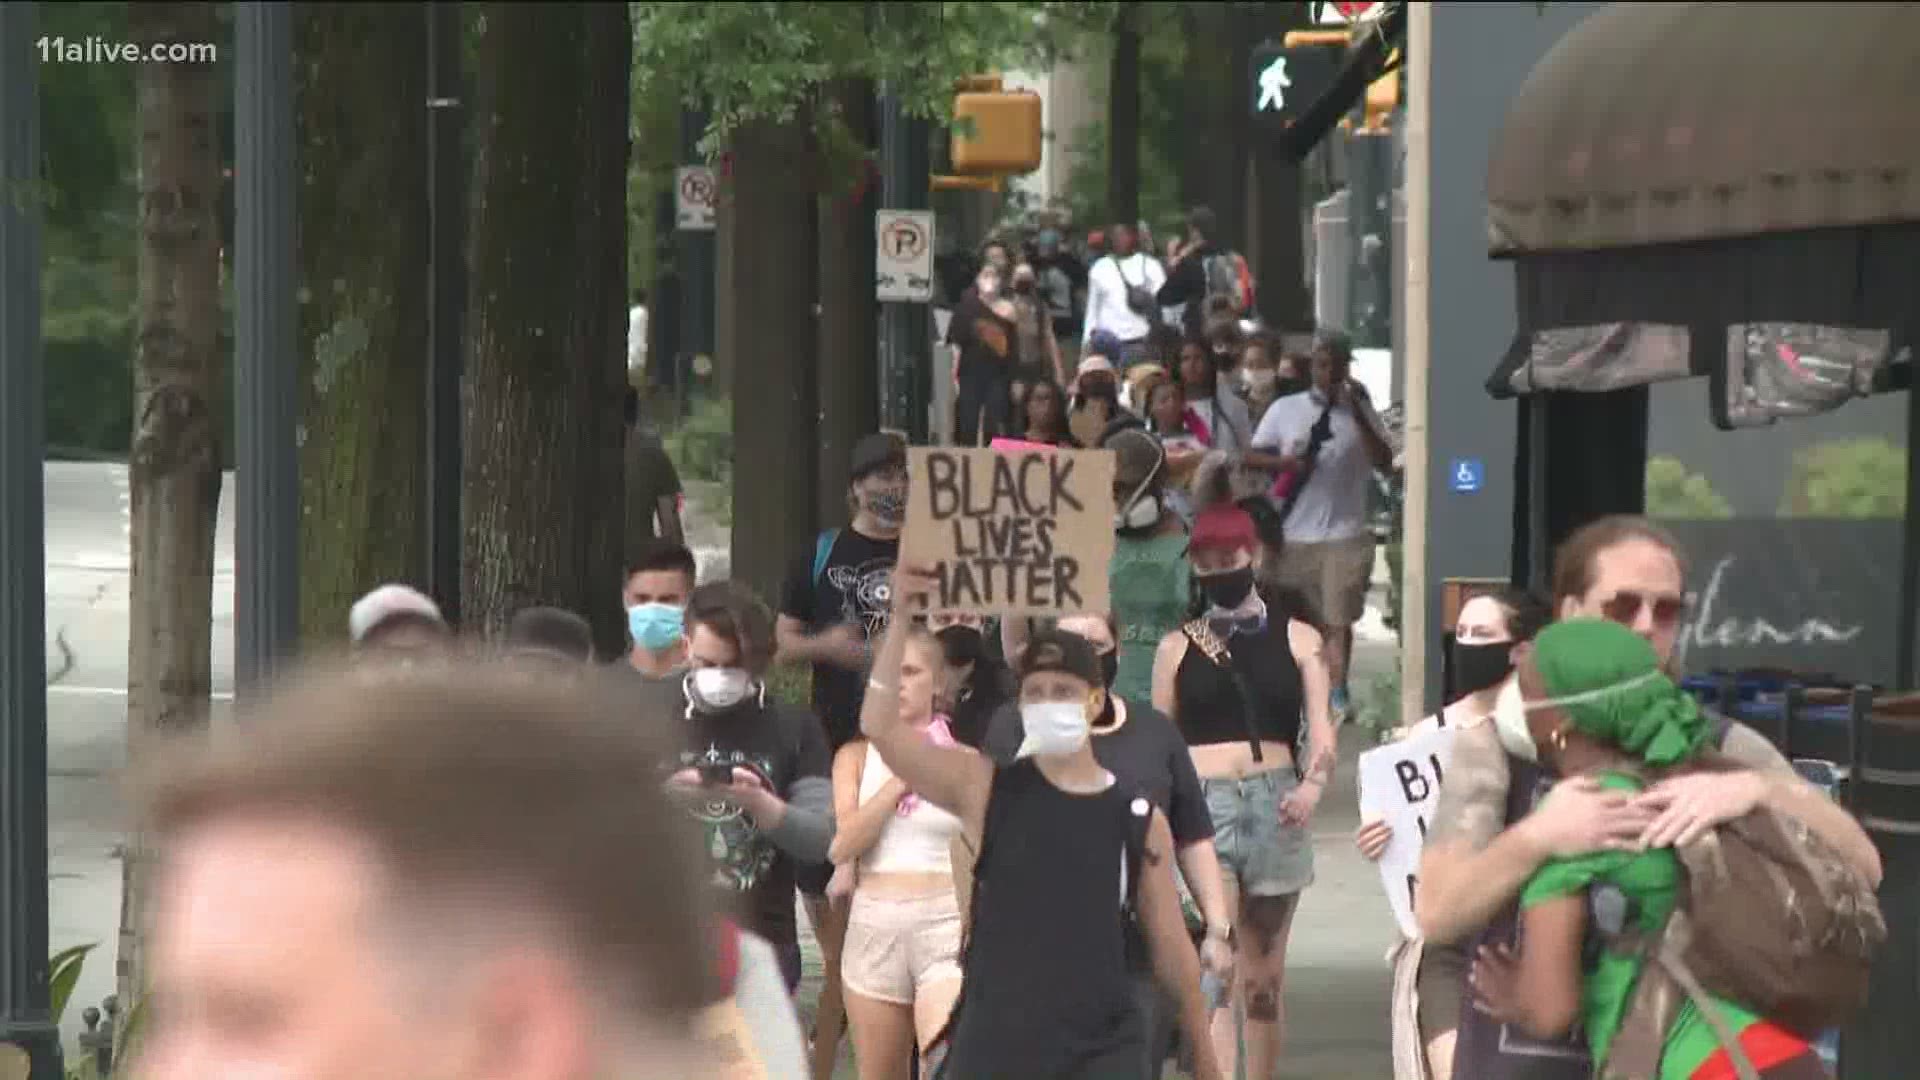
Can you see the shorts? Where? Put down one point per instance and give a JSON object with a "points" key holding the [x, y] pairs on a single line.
{"points": [[1333, 576], [1266, 857], [896, 947]]}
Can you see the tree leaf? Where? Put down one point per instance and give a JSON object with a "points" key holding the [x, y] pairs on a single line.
{"points": [[63, 974]]}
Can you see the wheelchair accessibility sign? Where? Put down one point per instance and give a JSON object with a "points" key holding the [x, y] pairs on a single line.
{"points": [[1467, 475]]}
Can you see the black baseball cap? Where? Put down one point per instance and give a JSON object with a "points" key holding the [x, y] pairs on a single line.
{"points": [[1058, 651], [874, 453]]}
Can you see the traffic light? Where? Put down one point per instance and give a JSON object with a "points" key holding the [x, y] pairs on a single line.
{"points": [[1285, 81], [997, 132]]}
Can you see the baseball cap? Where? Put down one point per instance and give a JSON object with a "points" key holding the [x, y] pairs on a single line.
{"points": [[1054, 650], [874, 453], [1094, 365], [387, 603]]}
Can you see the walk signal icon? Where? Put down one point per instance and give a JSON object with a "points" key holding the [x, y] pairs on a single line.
{"points": [[1287, 81], [1274, 84]]}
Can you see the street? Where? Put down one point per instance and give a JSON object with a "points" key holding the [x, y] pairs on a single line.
{"points": [[1337, 978]]}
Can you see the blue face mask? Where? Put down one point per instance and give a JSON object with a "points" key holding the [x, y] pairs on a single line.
{"points": [[655, 627]]}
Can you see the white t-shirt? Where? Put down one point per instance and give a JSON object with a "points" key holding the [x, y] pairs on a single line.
{"points": [[637, 339], [1333, 505], [1107, 283]]}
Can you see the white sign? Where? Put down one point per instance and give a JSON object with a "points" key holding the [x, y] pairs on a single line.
{"points": [[694, 197], [903, 256], [1274, 84], [1400, 785]]}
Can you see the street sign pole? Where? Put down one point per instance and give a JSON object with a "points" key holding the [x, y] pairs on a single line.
{"points": [[906, 329], [28, 1035], [266, 372], [447, 289]]}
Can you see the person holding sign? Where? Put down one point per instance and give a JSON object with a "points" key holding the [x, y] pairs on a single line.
{"points": [[1067, 856], [1429, 980], [1239, 682]]}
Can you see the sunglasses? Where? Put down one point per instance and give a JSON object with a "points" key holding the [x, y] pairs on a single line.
{"points": [[1625, 608]]}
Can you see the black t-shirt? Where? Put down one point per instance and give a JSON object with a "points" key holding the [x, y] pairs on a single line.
{"points": [[855, 586], [1146, 753], [784, 745], [987, 342], [987, 690], [650, 477]]}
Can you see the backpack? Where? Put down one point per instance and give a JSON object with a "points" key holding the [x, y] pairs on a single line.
{"points": [[1793, 932], [1227, 275]]}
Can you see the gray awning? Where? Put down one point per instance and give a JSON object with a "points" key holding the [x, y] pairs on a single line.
{"points": [[1656, 123]]}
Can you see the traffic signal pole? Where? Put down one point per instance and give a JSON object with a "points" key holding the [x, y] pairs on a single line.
{"points": [[906, 329], [266, 375], [29, 1038]]}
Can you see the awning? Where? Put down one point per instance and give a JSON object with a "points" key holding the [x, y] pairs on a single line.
{"points": [[1657, 123]]}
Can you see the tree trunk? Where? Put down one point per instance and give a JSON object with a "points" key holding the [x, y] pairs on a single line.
{"points": [[544, 507], [770, 276], [849, 315], [1280, 242], [363, 326], [1123, 119], [174, 462], [1196, 109]]}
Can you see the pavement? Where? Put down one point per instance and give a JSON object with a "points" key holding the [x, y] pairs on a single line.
{"points": [[1337, 983]]}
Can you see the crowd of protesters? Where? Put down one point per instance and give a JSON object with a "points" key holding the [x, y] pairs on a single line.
{"points": [[1067, 848]]}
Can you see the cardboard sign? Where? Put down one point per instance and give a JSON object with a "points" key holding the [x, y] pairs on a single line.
{"points": [[1400, 785], [1023, 533]]}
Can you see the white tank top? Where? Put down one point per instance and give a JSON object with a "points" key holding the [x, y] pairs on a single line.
{"points": [[918, 842]]}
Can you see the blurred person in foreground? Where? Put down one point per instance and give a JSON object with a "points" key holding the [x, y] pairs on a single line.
{"points": [[345, 893]]}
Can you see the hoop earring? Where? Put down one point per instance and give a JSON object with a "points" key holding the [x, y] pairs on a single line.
{"points": [[1557, 739]]}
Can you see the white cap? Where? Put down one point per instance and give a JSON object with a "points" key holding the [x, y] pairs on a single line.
{"points": [[390, 602]]}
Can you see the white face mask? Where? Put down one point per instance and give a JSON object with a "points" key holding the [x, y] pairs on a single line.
{"points": [[716, 689], [1053, 728], [1510, 723]]}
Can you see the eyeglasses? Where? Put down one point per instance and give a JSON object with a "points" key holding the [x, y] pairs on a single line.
{"points": [[1625, 608]]}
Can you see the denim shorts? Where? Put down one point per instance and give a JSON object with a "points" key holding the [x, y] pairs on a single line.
{"points": [[1264, 856]]}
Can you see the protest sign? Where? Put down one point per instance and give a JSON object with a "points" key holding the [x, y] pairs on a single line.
{"points": [[1005, 445], [1400, 784], [1022, 533]]}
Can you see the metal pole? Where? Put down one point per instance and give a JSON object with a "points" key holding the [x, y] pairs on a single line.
{"points": [[266, 376], [698, 256], [1413, 544], [25, 1024], [447, 289], [906, 330]]}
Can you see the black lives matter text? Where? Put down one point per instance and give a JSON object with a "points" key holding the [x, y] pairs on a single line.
{"points": [[1000, 522]]}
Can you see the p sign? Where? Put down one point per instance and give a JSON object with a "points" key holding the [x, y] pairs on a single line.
{"points": [[1400, 785]]}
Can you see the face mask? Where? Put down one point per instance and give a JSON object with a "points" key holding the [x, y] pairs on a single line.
{"points": [[962, 644], [655, 627], [1510, 723], [888, 507], [717, 689], [1141, 514], [1228, 590], [1477, 667], [1053, 728], [1110, 668], [1259, 379], [1023, 286], [1284, 387]]}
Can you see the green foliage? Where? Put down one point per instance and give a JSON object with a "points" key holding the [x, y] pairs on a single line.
{"points": [[791, 684], [702, 446], [1847, 478], [752, 62], [1676, 494], [63, 973]]}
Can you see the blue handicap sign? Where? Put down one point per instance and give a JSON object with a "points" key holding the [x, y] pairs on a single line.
{"points": [[1467, 475]]}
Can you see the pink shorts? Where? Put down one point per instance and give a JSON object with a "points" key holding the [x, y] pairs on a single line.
{"points": [[896, 947]]}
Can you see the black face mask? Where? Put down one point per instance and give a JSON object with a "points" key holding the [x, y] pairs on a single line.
{"points": [[1228, 590], [1477, 667], [1109, 671], [962, 644], [1295, 385]]}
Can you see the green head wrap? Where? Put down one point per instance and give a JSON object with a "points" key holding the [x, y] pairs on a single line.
{"points": [[1607, 681]]}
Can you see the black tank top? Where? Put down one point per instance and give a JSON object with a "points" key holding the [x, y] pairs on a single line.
{"points": [[1047, 987], [1207, 695]]}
